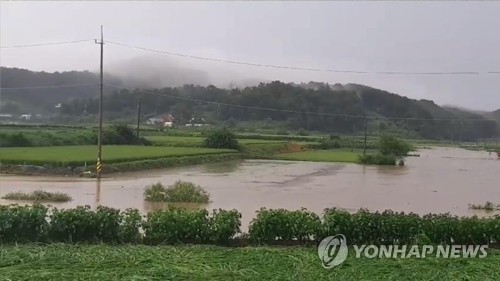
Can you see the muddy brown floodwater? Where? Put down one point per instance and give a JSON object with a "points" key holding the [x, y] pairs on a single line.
{"points": [[440, 180]]}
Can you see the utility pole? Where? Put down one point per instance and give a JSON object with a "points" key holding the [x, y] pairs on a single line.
{"points": [[366, 128], [138, 117], [353, 130], [218, 113], [99, 133], [98, 193], [460, 136]]}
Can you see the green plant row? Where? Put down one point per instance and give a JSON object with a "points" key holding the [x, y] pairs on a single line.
{"points": [[264, 151], [26, 224]]}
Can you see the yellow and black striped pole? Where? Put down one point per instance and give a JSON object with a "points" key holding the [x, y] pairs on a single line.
{"points": [[98, 168]]}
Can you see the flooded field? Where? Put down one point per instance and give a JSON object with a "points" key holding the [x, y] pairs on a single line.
{"points": [[440, 180]]}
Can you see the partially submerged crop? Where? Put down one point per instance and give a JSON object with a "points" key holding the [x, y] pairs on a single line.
{"points": [[488, 206], [178, 192], [38, 196]]}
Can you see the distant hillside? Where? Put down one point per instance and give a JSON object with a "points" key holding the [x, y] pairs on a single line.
{"points": [[40, 91], [334, 103], [494, 115]]}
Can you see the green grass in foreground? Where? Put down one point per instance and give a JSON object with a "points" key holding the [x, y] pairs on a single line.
{"points": [[321, 156], [78, 155], [99, 262]]}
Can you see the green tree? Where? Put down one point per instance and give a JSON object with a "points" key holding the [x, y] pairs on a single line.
{"points": [[389, 145], [221, 138]]}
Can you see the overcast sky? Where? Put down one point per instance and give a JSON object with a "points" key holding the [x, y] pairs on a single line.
{"points": [[364, 36]]}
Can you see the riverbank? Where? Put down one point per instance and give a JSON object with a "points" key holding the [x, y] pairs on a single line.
{"points": [[79, 160], [137, 262]]}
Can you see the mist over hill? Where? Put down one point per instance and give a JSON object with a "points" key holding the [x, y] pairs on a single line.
{"points": [[327, 103]]}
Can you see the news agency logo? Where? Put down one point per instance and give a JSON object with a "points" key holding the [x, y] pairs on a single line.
{"points": [[333, 251]]}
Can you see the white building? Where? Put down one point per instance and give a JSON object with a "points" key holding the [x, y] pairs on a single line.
{"points": [[26, 116]]}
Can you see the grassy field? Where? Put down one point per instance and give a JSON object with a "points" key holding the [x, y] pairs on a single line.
{"points": [[197, 141], [78, 155], [99, 262], [321, 156], [175, 141]]}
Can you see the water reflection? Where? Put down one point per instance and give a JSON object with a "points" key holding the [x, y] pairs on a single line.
{"points": [[392, 170], [98, 193]]}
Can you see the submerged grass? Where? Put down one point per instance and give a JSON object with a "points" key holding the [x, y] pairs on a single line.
{"points": [[38, 196], [488, 206], [180, 191], [102, 262]]}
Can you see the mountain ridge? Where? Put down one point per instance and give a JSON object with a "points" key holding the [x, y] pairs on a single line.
{"points": [[344, 99]]}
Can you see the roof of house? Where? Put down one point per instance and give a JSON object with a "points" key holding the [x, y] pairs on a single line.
{"points": [[168, 118]]}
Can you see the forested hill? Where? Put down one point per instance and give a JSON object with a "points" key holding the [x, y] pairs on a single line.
{"points": [[335, 108], [29, 90], [494, 115]]}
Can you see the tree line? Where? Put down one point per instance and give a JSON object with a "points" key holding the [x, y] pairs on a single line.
{"points": [[413, 118]]}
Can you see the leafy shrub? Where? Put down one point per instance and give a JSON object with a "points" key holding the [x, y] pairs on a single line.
{"points": [[121, 135], [178, 192], [191, 226], [27, 224], [130, 226], [385, 228], [23, 223], [390, 227], [377, 159], [38, 195], [221, 138], [13, 140], [155, 193], [84, 225], [281, 224], [186, 192], [176, 226], [224, 225], [389, 145]]}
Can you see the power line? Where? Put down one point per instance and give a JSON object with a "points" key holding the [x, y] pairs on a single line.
{"points": [[302, 68], [303, 112], [45, 44], [49, 87], [261, 64]]}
